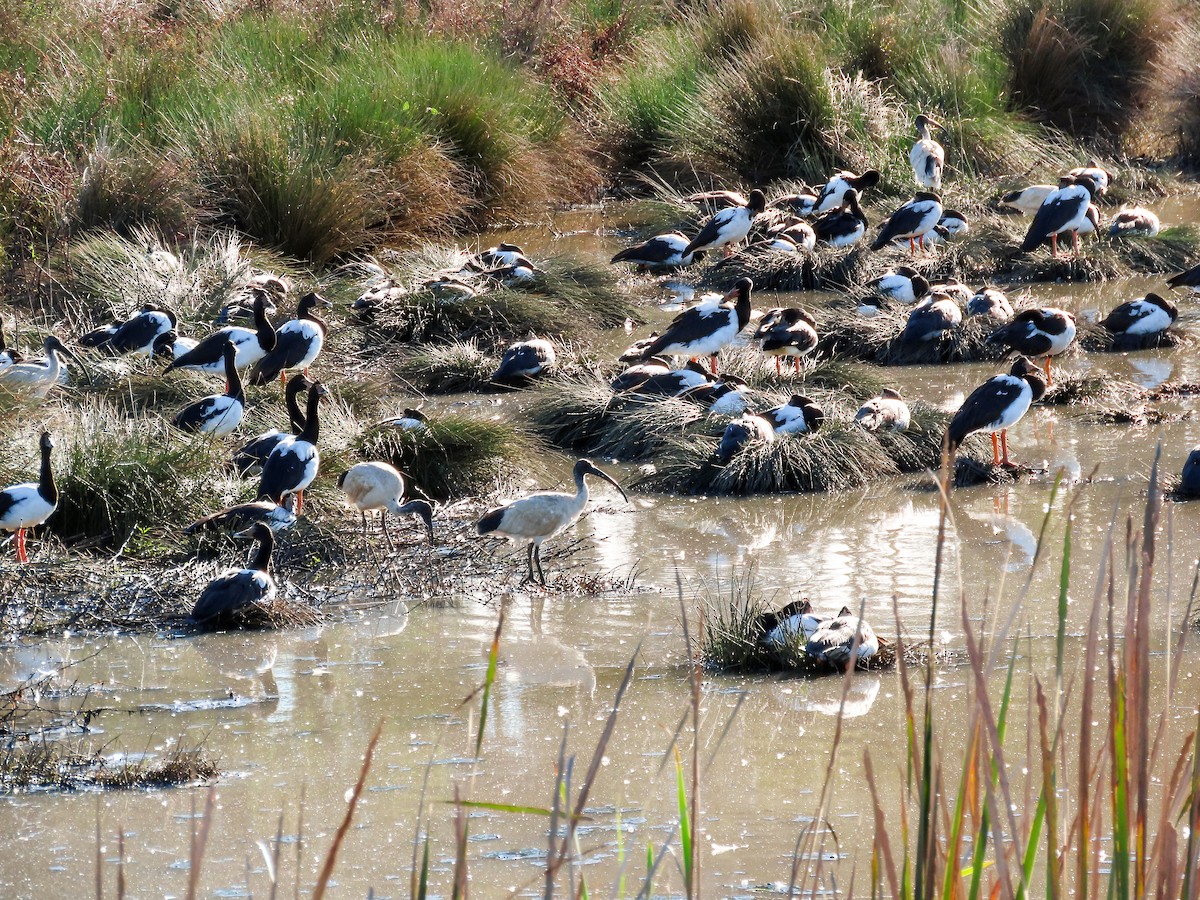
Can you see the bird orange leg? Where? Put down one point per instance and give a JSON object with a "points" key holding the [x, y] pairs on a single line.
{"points": [[712, 364], [22, 555], [797, 359], [995, 450], [777, 371], [1049, 380], [1054, 245], [912, 247], [299, 502], [1075, 242], [1004, 448], [283, 378]]}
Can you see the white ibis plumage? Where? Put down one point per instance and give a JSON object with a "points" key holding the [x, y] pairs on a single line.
{"points": [[997, 405], [887, 412], [1096, 174], [35, 377], [927, 156], [25, 506], [539, 517], [379, 485]]}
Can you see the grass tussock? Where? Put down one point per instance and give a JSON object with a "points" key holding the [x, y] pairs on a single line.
{"points": [[136, 190], [448, 368], [1093, 390], [453, 457], [69, 766], [877, 339]]}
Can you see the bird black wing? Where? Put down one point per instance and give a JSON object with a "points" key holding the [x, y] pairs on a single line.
{"points": [[1021, 335], [209, 351], [226, 595], [282, 471], [903, 221], [138, 332], [234, 518], [983, 407], [1190, 278], [652, 251], [518, 362], [255, 452], [290, 347], [688, 326], [1050, 219], [1125, 316], [711, 230], [7, 502], [191, 417]]}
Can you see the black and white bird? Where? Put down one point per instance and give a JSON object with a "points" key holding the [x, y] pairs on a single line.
{"points": [[243, 515], [800, 415], [172, 346], [902, 284], [1096, 174], [838, 187], [887, 412], [1044, 331], [1027, 200], [802, 204], [294, 463], [843, 226], [834, 641], [997, 405], [787, 331], [663, 251], [931, 319], [217, 414], [991, 303], [728, 226], [927, 157], [99, 337], [1135, 322], [539, 517], [796, 231], [254, 452], [633, 352], [410, 419], [503, 254], [654, 378], [35, 377], [1189, 280], [233, 592], [380, 486], [742, 433], [250, 344], [525, 360], [952, 226], [8, 355], [297, 343], [706, 328], [137, 334], [25, 506], [911, 222], [639, 372], [1064, 210], [726, 397], [780, 629], [1134, 221]]}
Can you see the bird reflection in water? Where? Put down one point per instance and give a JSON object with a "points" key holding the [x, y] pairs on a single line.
{"points": [[824, 695]]}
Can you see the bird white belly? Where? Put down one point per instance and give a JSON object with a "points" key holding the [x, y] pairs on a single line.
{"points": [[1012, 413], [1154, 322], [224, 417], [713, 342]]}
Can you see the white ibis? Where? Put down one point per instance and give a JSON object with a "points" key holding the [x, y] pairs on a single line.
{"points": [[1044, 331], [927, 156], [833, 195], [997, 405], [250, 345], [663, 251], [781, 628], [911, 222], [297, 343], [800, 415], [1135, 321], [903, 284], [35, 377], [834, 639], [217, 414], [8, 355], [295, 461], [24, 506], [1186, 280], [538, 517], [931, 319], [990, 303], [1096, 174], [234, 591], [844, 226], [1064, 210], [379, 485], [255, 451], [1134, 221], [704, 329], [137, 334], [787, 331], [887, 412], [741, 433], [1027, 200], [243, 515], [728, 226], [525, 360]]}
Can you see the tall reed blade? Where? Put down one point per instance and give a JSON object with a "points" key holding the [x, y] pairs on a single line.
{"points": [[344, 828]]}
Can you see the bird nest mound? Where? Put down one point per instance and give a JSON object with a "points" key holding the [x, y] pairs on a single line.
{"points": [[1096, 339], [878, 339], [839, 456], [462, 366], [816, 373], [823, 269], [1093, 390]]}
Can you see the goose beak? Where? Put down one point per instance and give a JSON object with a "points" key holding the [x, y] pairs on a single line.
{"points": [[599, 473]]}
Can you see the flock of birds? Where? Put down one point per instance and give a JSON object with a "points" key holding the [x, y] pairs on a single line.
{"points": [[288, 462]]}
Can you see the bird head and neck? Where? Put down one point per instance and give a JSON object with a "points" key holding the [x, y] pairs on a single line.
{"points": [[756, 202], [740, 295], [422, 509], [261, 561], [46, 486], [291, 396], [262, 325], [924, 123], [164, 345], [233, 388], [310, 302], [312, 425], [584, 467], [1032, 375]]}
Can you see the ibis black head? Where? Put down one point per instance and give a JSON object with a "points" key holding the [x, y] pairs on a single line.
{"points": [[924, 122], [757, 201], [53, 343], [890, 394], [422, 508], [584, 467]]}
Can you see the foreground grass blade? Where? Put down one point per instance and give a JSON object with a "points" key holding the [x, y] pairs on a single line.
{"points": [[344, 827]]}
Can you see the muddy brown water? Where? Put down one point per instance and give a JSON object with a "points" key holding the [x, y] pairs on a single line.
{"points": [[288, 714]]}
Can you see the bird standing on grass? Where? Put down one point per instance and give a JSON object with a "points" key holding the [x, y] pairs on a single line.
{"points": [[704, 329], [1045, 331], [378, 485], [294, 463], [728, 226], [539, 517], [1064, 210], [255, 451], [35, 377], [251, 344], [927, 156], [789, 331], [217, 414], [997, 405], [912, 221], [297, 343], [235, 590], [28, 505]]}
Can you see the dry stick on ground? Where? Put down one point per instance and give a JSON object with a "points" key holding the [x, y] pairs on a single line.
{"points": [[340, 836]]}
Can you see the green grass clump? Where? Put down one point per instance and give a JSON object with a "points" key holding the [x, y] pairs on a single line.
{"points": [[138, 189], [448, 369], [876, 339], [453, 457]]}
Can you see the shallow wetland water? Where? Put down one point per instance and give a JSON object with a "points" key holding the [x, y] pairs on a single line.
{"points": [[288, 714]]}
